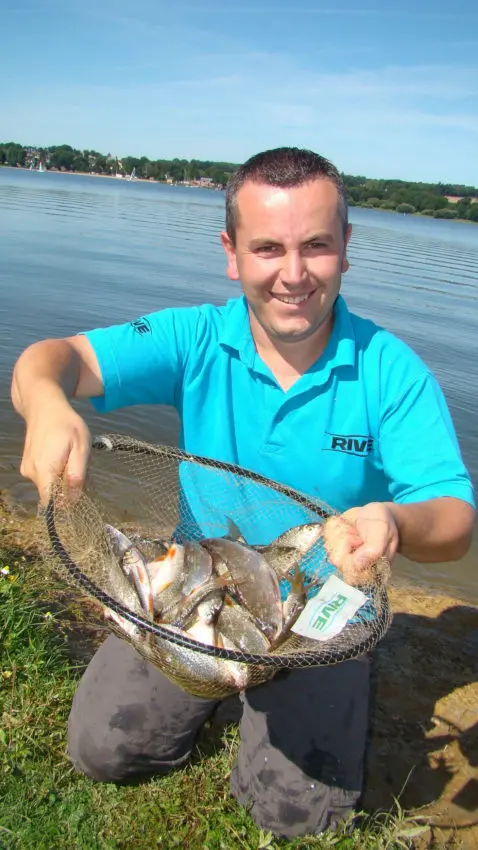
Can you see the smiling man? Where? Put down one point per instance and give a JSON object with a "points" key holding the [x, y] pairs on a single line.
{"points": [[317, 398], [288, 248]]}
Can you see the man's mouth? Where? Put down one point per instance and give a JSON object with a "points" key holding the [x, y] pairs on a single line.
{"points": [[296, 299]]}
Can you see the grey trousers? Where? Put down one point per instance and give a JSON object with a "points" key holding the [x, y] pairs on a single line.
{"points": [[303, 734]]}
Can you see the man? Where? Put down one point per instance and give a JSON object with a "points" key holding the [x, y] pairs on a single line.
{"points": [[309, 395]]}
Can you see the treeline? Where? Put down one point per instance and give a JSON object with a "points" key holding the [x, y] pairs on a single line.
{"points": [[403, 197], [66, 158]]}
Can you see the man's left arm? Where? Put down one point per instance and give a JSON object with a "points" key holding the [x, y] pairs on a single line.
{"points": [[435, 530], [431, 531], [431, 512]]}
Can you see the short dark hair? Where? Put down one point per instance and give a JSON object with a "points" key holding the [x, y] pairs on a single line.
{"points": [[283, 167]]}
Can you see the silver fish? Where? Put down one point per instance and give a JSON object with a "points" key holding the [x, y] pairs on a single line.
{"points": [[235, 624], [295, 602], [292, 607], [151, 547], [198, 567], [133, 566], [197, 672], [285, 552], [203, 629], [123, 628], [255, 582], [282, 559], [167, 575], [183, 608], [301, 537], [209, 609]]}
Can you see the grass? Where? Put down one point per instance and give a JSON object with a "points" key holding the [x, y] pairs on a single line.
{"points": [[45, 804]]}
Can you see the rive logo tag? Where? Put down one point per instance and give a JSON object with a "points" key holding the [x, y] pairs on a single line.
{"points": [[351, 444], [326, 613], [141, 326]]}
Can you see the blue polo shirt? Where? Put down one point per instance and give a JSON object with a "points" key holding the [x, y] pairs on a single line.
{"points": [[367, 422]]}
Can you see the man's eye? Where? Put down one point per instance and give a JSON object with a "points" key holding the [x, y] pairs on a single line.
{"points": [[267, 249], [315, 245]]}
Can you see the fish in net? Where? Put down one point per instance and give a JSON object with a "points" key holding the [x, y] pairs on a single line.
{"points": [[210, 570]]}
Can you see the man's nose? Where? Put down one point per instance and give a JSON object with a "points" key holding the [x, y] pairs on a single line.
{"points": [[293, 267]]}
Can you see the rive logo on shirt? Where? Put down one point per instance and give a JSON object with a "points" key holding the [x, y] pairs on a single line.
{"points": [[141, 326], [351, 444]]}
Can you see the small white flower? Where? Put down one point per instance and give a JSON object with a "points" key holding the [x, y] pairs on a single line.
{"points": [[5, 571]]}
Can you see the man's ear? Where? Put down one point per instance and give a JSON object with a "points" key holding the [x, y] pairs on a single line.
{"points": [[230, 251], [345, 262]]}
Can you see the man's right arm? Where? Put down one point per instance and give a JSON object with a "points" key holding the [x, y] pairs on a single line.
{"points": [[46, 376]]}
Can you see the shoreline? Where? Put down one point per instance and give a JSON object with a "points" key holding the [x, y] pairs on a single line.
{"points": [[120, 179], [126, 179], [23, 530]]}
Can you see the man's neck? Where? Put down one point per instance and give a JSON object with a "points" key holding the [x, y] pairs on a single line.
{"points": [[288, 361]]}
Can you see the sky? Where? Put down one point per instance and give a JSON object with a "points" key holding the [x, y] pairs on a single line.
{"points": [[384, 89]]}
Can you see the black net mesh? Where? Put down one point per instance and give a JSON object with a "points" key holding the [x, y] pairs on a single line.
{"points": [[158, 496]]}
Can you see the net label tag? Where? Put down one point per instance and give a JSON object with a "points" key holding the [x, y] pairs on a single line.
{"points": [[329, 611]]}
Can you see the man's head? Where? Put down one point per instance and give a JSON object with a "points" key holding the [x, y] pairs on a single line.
{"points": [[285, 240], [284, 168]]}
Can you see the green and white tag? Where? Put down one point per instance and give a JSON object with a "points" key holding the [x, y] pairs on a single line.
{"points": [[327, 614]]}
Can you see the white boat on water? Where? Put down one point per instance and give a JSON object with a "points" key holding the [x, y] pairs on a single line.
{"points": [[40, 167], [132, 176]]}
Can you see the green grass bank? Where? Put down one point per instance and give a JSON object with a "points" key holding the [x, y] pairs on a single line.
{"points": [[45, 640]]}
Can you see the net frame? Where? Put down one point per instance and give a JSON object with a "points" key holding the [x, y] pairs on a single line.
{"points": [[317, 653]]}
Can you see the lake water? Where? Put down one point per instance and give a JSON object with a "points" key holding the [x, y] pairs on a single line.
{"points": [[78, 252]]}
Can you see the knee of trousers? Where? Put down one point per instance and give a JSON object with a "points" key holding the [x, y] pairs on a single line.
{"points": [[293, 810], [107, 755]]}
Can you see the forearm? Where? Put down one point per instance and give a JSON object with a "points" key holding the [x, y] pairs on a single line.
{"points": [[435, 530], [46, 372]]}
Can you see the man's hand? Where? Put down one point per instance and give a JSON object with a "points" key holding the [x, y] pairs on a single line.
{"points": [[57, 444], [431, 531], [362, 542]]}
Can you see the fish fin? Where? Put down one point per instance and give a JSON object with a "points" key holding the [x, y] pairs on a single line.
{"points": [[296, 579], [169, 553], [224, 580], [233, 531], [317, 581]]}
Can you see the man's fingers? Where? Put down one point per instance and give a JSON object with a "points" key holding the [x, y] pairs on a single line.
{"points": [[75, 470], [57, 459], [44, 479], [355, 545], [44, 487]]}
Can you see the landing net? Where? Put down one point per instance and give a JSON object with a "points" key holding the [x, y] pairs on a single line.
{"points": [[159, 494]]}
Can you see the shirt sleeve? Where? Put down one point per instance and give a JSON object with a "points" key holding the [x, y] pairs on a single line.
{"points": [[419, 448], [143, 361]]}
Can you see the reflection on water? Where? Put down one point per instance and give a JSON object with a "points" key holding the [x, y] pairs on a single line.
{"points": [[80, 252]]}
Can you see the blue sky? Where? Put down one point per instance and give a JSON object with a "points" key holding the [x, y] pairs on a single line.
{"points": [[384, 89]]}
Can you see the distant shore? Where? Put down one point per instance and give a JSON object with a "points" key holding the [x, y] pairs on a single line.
{"points": [[126, 179], [123, 178]]}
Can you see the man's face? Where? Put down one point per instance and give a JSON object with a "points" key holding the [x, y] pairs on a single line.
{"points": [[289, 256]]}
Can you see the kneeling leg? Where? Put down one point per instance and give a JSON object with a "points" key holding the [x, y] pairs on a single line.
{"points": [[128, 719], [303, 736]]}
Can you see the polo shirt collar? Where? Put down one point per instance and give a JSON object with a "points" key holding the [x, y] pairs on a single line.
{"points": [[340, 350], [236, 331]]}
